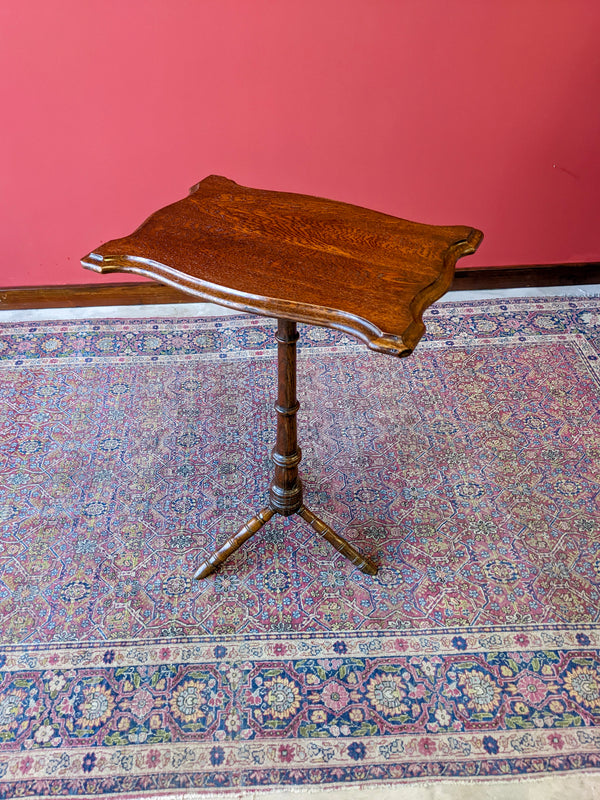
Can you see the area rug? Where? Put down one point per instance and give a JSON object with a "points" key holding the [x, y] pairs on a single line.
{"points": [[469, 472]]}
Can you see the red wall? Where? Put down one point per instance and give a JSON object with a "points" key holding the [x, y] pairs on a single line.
{"points": [[467, 112]]}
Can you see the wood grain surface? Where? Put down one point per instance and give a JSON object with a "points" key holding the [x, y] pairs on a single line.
{"points": [[303, 258]]}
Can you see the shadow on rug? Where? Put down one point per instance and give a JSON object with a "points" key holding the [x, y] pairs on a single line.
{"points": [[469, 472]]}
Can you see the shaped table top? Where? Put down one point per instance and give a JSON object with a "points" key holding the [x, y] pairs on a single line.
{"points": [[295, 256]]}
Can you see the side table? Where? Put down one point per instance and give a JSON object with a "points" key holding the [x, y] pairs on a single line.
{"points": [[300, 259]]}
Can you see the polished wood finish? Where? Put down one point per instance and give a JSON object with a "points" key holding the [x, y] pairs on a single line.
{"points": [[134, 293], [232, 544], [286, 490], [345, 548], [300, 259]]}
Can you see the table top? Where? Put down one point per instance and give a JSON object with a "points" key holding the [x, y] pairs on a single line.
{"points": [[304, 258]]}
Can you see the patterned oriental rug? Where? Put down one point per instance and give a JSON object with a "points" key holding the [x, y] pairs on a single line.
{"points": [[130, 448]]}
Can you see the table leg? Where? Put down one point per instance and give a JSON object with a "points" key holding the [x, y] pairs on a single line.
{"points": [[232, 544], [285, 491], [345, 548]]}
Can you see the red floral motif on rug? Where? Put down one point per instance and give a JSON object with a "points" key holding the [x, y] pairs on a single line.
{"points": [[469, 472]]}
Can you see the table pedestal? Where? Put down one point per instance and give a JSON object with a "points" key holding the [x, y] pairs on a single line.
{"points": [[285, 491], [302, 258]]}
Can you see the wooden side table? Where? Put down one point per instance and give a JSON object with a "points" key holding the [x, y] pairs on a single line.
{"points": [[300, 259]]}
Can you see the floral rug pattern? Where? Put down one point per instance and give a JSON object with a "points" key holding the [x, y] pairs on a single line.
{"points": [[469, 472]]}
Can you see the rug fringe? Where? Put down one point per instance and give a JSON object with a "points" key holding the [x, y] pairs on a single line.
{"points": [[516, 787]]}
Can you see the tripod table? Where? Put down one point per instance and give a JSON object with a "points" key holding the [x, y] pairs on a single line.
{"points": [[300, 259]]}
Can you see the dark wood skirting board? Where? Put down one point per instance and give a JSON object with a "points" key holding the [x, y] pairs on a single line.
{"points": [[146, 292], [138, 293], [528, 275]]}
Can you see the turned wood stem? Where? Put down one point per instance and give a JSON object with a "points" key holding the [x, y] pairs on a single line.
{"points": [[285, 491], [233, 543], [345, 548], [286, 488]]}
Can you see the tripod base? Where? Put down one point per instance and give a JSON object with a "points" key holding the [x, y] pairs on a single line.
{"points": [[285, 490], [256, 523]]}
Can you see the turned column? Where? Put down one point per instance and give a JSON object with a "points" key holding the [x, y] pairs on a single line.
{"points": [[285, 491]]}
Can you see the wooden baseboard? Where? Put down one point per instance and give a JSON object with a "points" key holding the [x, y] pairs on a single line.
{"points": [[137, 293], [525, 276], [146, 292]]}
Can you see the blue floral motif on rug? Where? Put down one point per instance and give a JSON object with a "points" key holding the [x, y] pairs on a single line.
{"points": [[469, 472]]}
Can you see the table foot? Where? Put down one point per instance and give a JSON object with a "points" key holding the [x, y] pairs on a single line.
{"points": [[231, 545], [255, 524], [345, 548]]}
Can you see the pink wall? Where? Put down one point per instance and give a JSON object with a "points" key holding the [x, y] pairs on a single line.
{"points": [[467, 112]]}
